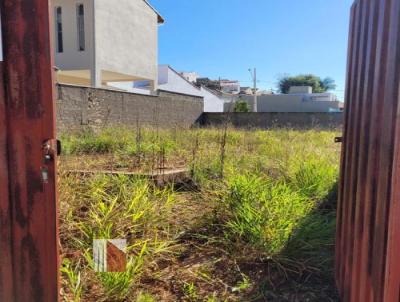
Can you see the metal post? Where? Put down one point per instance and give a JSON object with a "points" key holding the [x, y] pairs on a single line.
{"points": [[254, 77], [29, 230], [255, 108]]}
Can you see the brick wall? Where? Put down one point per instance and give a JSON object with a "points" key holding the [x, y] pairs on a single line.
{"points": [[79, 107]]}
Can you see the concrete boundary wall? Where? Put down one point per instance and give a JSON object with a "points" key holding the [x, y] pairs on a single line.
{"points": [[79, 107], [265, 120]]}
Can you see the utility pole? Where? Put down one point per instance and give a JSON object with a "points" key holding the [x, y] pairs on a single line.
{"points": [[254, 76]]}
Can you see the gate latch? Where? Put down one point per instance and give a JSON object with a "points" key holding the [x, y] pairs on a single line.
{"points": [[51, 147], [339, 139]]}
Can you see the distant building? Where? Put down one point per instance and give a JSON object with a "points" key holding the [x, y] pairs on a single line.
{"points": [[246, 90], [300, 99], [265, 92], [300, 90], [229, 86], [190, 76], [206, 82], [171, 80], [102, 41]]}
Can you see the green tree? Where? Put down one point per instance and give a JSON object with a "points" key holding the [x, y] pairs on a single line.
{"points": [[241, 106], [319, 85]]}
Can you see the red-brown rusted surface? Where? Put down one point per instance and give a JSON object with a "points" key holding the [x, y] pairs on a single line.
{"points": [[6, 282], [367, 259], [29, 240]]}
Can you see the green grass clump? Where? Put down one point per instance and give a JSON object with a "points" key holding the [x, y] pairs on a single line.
{"points": [[265, 212], [314, 178], [107, 141]]}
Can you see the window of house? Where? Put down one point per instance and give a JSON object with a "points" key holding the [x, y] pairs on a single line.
{"points": [[80, 13], [59, 30]]}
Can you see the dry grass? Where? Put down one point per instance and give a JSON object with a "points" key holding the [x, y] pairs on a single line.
{"points": [[257, 224]]}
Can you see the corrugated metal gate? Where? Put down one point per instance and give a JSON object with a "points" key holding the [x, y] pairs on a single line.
{"points": [[28, 211], [368, 224]]}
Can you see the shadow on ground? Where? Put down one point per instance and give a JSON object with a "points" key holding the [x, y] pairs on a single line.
{"points": [[209, 267], [304, 270]]}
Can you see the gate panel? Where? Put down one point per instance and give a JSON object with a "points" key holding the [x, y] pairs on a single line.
{"points": [[365, 196], [29, 110], [6, 280]]}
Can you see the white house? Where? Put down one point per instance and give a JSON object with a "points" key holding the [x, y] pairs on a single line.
{"points": [[212, 101], [100, 41], [299, 99], [190, 76], [171, 80]]}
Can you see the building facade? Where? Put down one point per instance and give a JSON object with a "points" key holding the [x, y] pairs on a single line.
{"points": [[300, 99], [229, 86], [190, 76], [171, 80], [101, 41]]}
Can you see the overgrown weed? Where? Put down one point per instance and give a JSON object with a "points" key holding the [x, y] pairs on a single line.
{"points": [[256, 220]]}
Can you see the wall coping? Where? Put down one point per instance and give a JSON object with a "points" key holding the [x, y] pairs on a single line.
{"points": [[180, 93], [106, 89], [128, 92], [264, 113]]}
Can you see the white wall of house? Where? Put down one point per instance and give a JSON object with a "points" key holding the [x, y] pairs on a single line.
{"points": [[212, 102], [325, 97], [121, 42], [128, 86], [126, 38], [171, 80], [72, 58]]}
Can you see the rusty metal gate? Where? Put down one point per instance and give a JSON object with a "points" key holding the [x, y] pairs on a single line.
{"points": [[368, 223], [28, 211]]}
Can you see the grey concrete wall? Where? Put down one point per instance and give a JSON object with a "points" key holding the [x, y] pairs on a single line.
{"points": [[265, 120], [290, 103], [79, 107]]}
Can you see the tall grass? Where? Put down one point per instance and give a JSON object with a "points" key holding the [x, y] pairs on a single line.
{"points": [[265, 212], [267, 190], [110, 207]]}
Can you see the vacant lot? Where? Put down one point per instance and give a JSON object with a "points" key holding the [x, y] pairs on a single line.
{"points": [[254, 221]]}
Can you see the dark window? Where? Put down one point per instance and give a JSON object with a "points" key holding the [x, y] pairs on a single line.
{"points": [[59, 30], [80, 13]]}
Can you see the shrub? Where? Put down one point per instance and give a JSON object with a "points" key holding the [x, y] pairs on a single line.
{"points": [[241, 106]]}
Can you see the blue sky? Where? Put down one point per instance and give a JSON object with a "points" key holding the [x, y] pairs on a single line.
{"points": [[224, 38]]}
